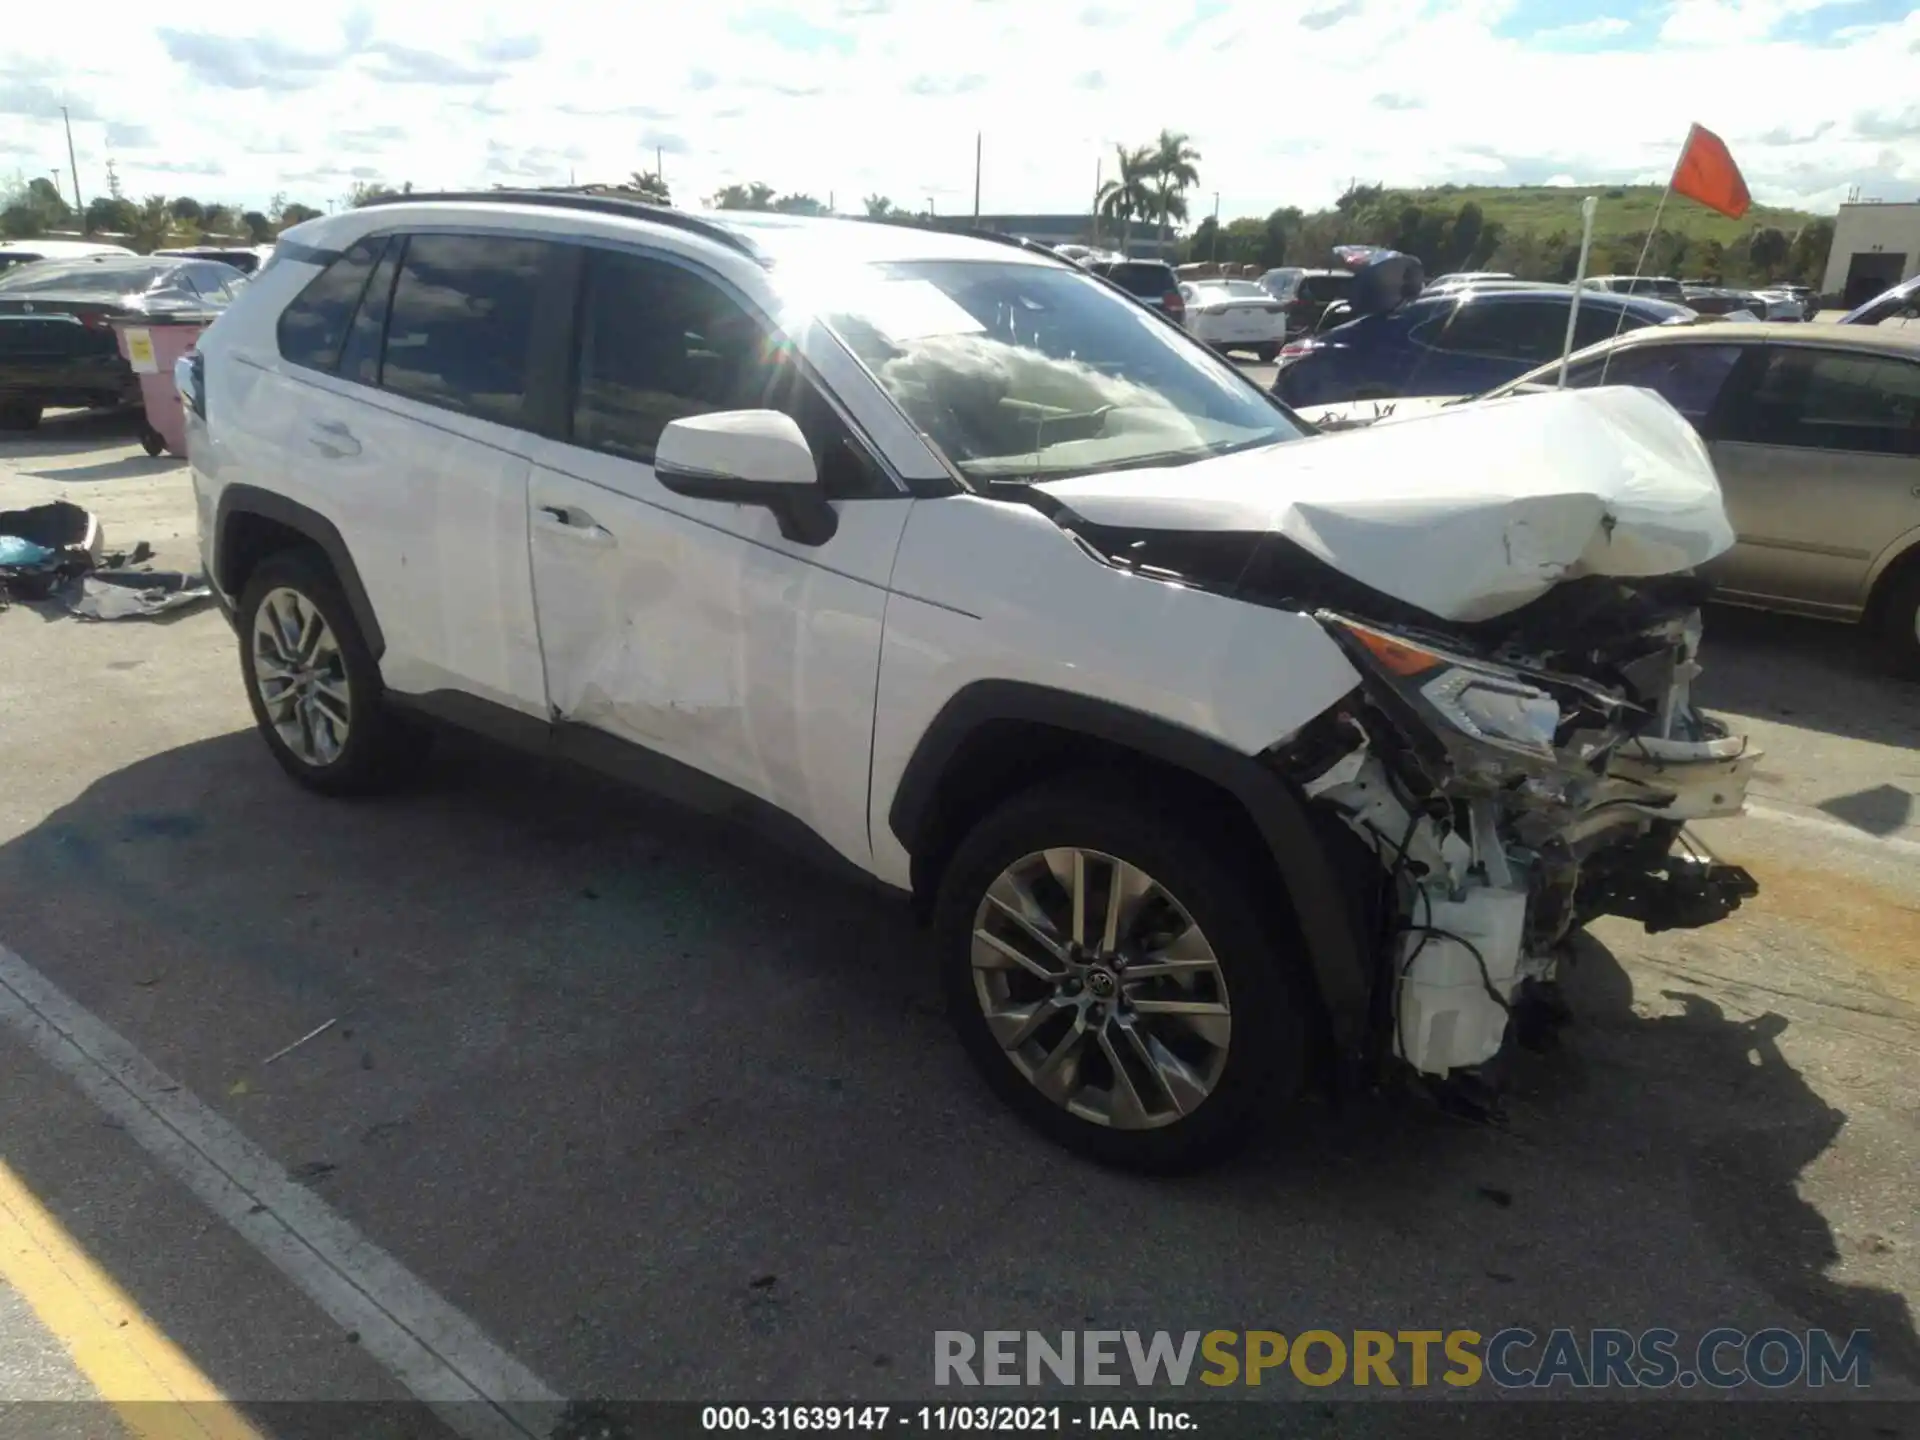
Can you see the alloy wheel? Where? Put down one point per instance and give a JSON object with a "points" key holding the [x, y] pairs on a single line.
{"points": [[1101, 989], [301, 676]]}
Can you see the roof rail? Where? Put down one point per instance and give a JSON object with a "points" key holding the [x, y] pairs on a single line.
{"points": [[598, 204]]}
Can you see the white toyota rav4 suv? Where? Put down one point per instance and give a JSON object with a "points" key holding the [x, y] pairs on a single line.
{"points": [[1219, 756]]}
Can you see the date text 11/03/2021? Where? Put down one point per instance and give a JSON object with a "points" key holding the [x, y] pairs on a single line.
{"points": [[938, 1419]]}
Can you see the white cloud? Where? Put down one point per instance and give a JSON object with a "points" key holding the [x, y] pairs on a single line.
{"points": [[889, 100], [1585, 32]]}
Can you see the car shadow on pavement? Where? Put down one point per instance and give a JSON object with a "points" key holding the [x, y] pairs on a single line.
{"points": [[674, 1116], [1811, 674], [131, 467]]}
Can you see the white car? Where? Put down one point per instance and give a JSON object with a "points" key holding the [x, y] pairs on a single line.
{"points": [[25, 252], [1235, 315], [1217, 756]]}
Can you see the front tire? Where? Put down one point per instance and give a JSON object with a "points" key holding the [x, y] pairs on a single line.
{"points": [[314, 685], [1899, 618], [1115, 971]]}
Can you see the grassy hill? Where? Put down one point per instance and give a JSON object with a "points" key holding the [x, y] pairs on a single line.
{"points": [[1624, 209]]}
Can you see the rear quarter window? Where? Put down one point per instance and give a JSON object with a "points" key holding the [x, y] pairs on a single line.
{"points": [[312, 328]]}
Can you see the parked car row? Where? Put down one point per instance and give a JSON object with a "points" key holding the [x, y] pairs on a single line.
{"points": [[57, 345]]}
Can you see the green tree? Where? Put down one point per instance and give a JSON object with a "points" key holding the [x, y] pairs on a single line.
{"points": [[259, 227], [1807, 257], [1129, 195], [1173, 168], [798, 204], [110, 214], [650, 185], [217, 219], [1768, 250], [879, 207], [152, 225], [185, 208], [294, 213], [756, 195], [365, 192]]}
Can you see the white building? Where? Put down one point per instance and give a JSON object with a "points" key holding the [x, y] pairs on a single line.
{"points": [[1876, 244]]}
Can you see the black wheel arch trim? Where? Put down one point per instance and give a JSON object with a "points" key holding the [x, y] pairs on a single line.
{"points": [[311, 524], [1315, 891]]}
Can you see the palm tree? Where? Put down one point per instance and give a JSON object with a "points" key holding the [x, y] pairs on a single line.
{"points": [[755, 196], [648, 185], [879, 207], [1127, 196], [1171, 166]]}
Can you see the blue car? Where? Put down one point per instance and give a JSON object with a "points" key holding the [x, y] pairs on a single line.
{"points": [[1459, 342]]}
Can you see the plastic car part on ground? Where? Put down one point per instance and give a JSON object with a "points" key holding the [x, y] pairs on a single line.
{"points": [[134, 594]]}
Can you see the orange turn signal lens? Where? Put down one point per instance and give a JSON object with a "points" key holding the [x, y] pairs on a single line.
{"points": [[1396, 657]]}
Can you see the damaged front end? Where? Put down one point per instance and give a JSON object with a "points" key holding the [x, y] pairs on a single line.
{"points": [[1513, 783]]}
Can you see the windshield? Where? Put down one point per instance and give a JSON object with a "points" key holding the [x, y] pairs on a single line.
{"points": [[1037, 372], [81, 277]]}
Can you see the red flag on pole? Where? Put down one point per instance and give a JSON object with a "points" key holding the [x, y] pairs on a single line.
{"points": [[1706, 173]]}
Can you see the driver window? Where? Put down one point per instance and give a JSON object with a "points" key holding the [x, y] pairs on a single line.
{"points": [[658, 343]]}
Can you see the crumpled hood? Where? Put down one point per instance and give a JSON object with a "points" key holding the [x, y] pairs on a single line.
{"points": [[1354, 414], [1467, 513]]}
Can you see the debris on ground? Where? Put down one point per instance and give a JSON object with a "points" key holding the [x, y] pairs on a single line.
{"points": [[56, 551], [289, 1049], [44, 545], [133, 594]]}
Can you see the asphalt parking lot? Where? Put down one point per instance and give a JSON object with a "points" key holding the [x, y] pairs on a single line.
{"points": [[664, 1114]]}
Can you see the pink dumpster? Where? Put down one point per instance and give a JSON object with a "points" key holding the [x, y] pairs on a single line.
{"points": [[151, 346]]}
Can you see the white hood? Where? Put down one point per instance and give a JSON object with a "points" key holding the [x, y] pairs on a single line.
{"points": [[1466, 513]]}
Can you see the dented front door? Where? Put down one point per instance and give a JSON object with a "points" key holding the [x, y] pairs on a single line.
{"points": [[694, 629]]}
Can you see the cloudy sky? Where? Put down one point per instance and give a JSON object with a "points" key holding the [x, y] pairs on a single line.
{"points": [[1286, 99]]}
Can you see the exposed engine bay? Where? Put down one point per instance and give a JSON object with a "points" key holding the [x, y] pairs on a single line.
{"points": [[1511, 779]]}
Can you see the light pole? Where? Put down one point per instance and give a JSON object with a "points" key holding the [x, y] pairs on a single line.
{"points": [[1216, 227], [74, 169]]}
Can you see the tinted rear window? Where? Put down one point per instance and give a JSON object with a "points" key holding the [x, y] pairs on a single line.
{"points": [[1326, 287], [82, 277], [1136, 279]]}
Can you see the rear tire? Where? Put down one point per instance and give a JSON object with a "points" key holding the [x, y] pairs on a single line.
{"points": [[20, 415], [314, 685], [1898, 614], [1198, 1078], [153, 442]]}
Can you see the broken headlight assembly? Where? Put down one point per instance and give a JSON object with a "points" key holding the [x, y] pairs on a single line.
{"points": [[1486, 721]]}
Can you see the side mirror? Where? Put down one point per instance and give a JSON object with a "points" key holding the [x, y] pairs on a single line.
{"points": [[748, 457]]}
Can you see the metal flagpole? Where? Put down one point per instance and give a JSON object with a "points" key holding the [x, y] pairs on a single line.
{"points": [[1587, 208], [976, 177]]}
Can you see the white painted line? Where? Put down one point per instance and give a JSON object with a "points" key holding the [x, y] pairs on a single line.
{"points": [[1834, 830], [432, 1349]]}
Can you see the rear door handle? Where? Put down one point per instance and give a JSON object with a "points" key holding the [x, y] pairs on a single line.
{"points": [[333, 439], [575, 525]]}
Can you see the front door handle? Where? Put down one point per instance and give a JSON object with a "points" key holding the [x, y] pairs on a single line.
{"points": [[574, 524], [333, 439]]}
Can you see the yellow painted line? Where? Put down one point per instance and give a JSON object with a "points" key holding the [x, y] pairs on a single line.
{"points": [[157, 1391]]}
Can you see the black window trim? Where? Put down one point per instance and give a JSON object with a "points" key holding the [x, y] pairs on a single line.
{"points": [[570, 369]]}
